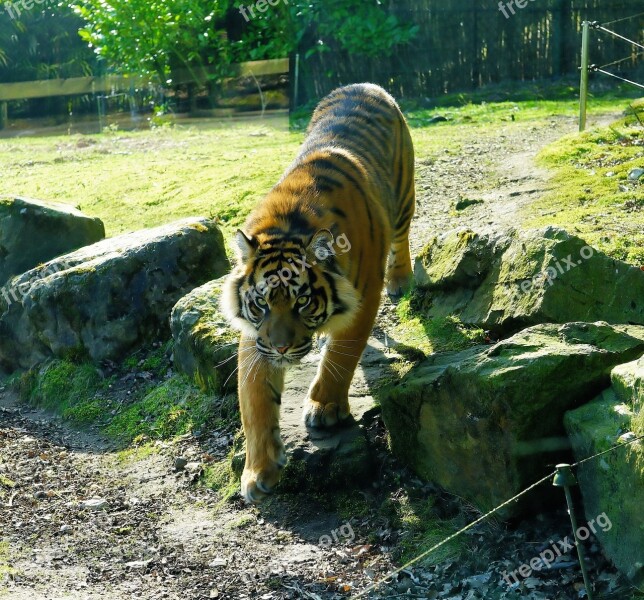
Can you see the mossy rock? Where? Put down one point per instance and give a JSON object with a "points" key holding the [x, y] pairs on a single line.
{"points": [[204, 342], [486, 422], [104, 300], [33, 232], [614, 483], [505, 281]]}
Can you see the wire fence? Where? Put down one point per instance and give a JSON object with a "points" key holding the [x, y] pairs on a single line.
{"points": [[464, 44]]}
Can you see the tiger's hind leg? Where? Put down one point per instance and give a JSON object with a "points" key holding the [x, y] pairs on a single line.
{"points": [[399, 271]]}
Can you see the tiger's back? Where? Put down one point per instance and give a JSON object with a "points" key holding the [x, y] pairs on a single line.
{"points": [[352, 181]]}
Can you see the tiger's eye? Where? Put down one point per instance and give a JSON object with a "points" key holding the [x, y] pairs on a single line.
{"points": [[303, 300], [261, 302]]}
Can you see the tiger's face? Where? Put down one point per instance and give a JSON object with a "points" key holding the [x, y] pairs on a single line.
{"points": [[284, 291]]}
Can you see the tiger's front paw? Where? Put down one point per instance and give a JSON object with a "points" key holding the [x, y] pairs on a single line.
{"points": [[262, 472], [317, 414]]}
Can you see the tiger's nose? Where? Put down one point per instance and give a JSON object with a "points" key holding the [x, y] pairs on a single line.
{"points": [[282, 349]]}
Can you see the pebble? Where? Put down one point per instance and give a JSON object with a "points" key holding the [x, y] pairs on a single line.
{"points": [[180, 463], [636, 174], [94, 503]]}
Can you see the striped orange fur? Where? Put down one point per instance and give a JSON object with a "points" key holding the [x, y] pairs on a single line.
{"points": [[313, 258]]}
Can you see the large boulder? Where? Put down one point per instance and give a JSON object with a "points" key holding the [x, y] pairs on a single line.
{"points": [[486, 422], [33, 232], [614, 482], [102, 300], [205, 346], [510, 280]]}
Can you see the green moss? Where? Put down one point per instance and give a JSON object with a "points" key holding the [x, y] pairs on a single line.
{"points": [[221, 478], [430, 335], [591, 195]]}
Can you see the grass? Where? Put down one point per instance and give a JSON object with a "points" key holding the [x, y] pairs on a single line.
{"points": [[591, 195], [161, 405], [134, 180]]}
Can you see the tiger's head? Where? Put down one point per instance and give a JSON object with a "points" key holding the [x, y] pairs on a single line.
{"points": [[284, 290]]}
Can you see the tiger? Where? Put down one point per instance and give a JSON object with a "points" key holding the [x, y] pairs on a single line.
{"points": [[312, 260]]}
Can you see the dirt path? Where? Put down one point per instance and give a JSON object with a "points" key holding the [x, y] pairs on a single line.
{"points": [[149, 531]]}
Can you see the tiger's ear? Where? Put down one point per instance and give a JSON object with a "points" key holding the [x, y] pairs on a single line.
{"points": [[246, 246], [320, 246]]}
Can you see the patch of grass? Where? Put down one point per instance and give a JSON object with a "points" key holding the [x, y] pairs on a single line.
{"points": [[243, 522], [149, 409], [5, 569], [65, 387], [222, 478], [591, 194], [431, 335], [144, 179], [423, 529], [172, 408]]}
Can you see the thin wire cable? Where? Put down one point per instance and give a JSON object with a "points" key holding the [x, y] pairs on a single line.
{"points": [[621, 37], [581, 462], [621, 60], [623, 19], [377, 584], [639, 85]]}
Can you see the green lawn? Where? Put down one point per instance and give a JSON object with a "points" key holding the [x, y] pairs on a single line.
{"points": [[133, 180]]}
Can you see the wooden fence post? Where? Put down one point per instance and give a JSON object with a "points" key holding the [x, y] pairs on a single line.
{"points": [[3, 115]]}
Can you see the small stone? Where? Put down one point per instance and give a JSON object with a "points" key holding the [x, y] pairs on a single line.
{"points": [[218, 562], [94, 504], [180, 463], [636, 174], [66, 528], [40, 495], [193, 467]]}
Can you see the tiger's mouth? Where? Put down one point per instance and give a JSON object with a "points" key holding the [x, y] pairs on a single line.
{"points": [[292, 357]]}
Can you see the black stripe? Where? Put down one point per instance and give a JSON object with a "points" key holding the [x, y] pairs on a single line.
{"points": [[339, 212]]}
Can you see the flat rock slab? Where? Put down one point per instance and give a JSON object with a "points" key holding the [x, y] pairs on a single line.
{"points": [[487, 422], [103, 300], [505, 281], [613, 484], [33, 232], [338, 457]]}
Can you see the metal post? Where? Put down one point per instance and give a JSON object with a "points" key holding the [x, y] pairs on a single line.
{"points": [[583, 87], [297, 80], [565, 478]]}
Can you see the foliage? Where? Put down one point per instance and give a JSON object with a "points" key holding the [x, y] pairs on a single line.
{"points": [[164, 35], [358, 27], [42, 43]]}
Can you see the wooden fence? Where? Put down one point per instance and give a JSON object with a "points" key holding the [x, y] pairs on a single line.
{"points": [[49, 88], [463, 44]]}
